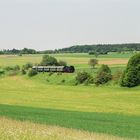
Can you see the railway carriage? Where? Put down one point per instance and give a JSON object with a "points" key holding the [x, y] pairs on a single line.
{"points": [[65, 69]]}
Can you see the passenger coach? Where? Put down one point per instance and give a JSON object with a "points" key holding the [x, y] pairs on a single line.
{"points": [[67, 69]]}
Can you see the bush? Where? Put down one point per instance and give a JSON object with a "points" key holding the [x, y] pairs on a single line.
{"points": [[63, 81], [104, 68], [16, 68], [32, 73], [23, 72], [116, 77], [62, 63], [131, 76], [12, 73], [103, 75], [2, 71], [27, 66], [83, 77], [51, 73], [8, 68], [49, 61], [59, 73], [20, 54]]}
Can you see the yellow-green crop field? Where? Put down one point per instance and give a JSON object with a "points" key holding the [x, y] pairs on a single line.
{"points": [[32, 108]]}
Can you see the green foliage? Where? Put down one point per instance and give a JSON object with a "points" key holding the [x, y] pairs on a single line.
{"points": [[131, 76], [32, 73], [62, 63], [23, 71], [12, 68], [93, 53], [2, 71], [12, 73], [49, 61], [27, 66], [19, 52], [104, 68], [93, 62], [8, 68], [83, 77], [117, 76], [47, 103], [101, 48], [103, 75], [16, 68]]}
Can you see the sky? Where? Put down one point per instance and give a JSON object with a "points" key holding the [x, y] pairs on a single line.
{"points": [[53, 24]]}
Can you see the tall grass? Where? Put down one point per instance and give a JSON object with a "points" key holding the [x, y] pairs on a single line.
{"points": [[17, 130]]}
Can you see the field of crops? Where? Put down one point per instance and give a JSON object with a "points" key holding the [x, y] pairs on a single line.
{"points": [[104, 112]]}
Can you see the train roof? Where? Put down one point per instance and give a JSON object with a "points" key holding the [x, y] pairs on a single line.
{"points": [[61, 67]]}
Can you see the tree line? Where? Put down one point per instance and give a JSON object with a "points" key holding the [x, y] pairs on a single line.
{"points": [[19, 52], [101, 48], [91, 49]]}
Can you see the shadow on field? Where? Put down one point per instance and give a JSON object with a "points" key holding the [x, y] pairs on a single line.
{"points": [[115, 124]]}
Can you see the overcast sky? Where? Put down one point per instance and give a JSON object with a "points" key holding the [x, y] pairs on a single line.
{"points": [[51, 24]]}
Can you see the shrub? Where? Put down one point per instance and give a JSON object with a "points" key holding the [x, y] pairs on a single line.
{"points": [[116, 77], [27, 66], [23, 72], [8, 68], [2, 71], [49, 61], [91, 53], [104, 68], [32, 73], [62, 63], [51, 73], [59, 73], [103, 75], [82, 77], [16, 68], [131, 76], [63, 81], [20, 54], [12, 73]]}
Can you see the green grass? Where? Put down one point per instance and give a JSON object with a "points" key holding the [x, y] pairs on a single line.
{"points": [[106, 109], [46, 99], [110, 123], [80, 60]]}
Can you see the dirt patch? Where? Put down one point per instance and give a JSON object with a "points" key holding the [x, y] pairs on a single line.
{"points": [[114, 62]]}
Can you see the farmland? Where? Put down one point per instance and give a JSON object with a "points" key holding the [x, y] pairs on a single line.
{"points": [[107, 111]]}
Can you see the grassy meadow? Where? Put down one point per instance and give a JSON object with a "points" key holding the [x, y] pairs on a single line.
{"points": [[104, 112]]}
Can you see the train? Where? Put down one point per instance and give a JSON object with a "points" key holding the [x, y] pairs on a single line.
{"points": [[64, 69]]}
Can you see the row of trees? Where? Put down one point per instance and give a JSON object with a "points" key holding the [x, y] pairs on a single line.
{"points": [[91, 49], [101, 48], [19, 52]]}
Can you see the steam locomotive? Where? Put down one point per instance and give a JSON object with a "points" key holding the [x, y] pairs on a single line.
{"points": [[65, 69]]}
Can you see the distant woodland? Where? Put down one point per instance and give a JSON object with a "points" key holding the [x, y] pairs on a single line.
{"points": [[100, 48]]}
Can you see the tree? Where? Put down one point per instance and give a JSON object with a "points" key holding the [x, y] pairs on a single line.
{"points": [[93, 62], [27, 66], [49, 61], [62, 63], [131, 76], [103, 75]]}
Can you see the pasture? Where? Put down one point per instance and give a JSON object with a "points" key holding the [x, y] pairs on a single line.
{"points": [[108, 112]]}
